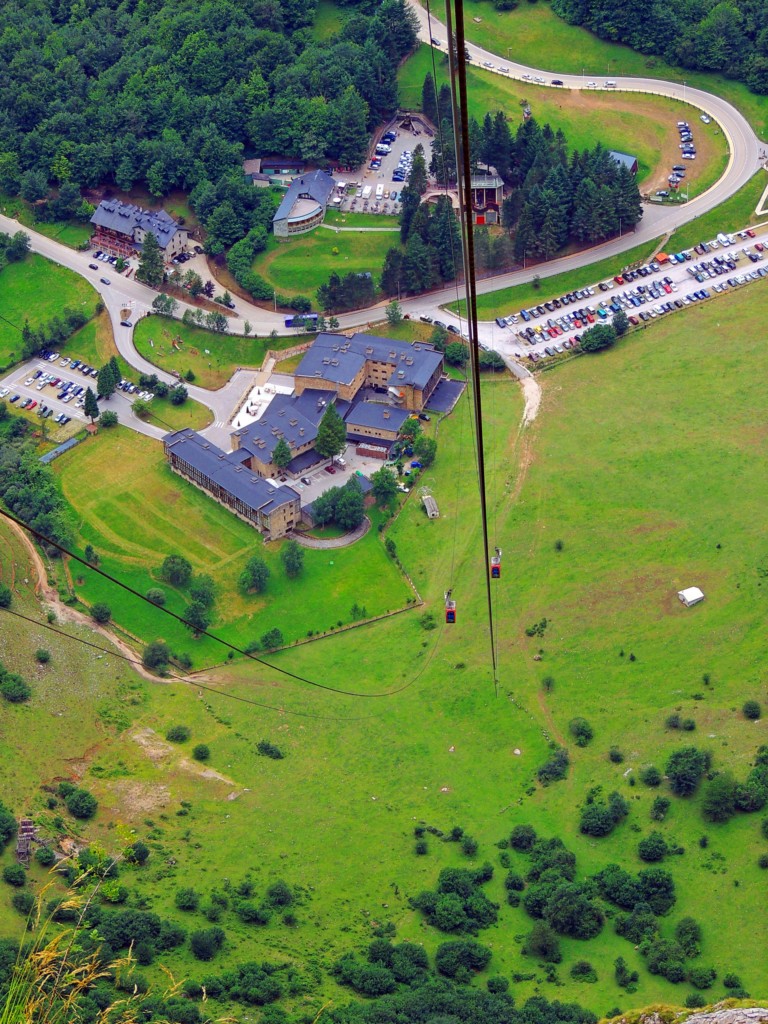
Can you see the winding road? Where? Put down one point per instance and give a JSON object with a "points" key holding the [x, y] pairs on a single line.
{"points": [[744, 161]]}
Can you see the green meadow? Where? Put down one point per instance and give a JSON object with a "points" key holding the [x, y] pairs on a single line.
{"points": [[645, 472]]}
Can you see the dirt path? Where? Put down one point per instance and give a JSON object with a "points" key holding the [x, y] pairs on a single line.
{"points": [[532, 394], [547, 715], [49, 596]]}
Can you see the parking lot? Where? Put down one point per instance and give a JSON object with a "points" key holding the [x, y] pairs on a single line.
{"points": [[653, 290], [405, 141]]}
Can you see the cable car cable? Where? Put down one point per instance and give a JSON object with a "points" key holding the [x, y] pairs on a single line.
{"points": [[457, 62]]}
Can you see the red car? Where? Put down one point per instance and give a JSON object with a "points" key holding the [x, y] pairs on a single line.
{"points": [[619, 279], [330, 469], [590, 318], [759, 246], [750, 232]]}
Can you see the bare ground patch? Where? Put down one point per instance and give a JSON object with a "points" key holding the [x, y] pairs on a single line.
{"points": [[140, 797], [155, 748]]}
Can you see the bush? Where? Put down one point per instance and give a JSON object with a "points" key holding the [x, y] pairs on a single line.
{"points": [[178, 734], [23, 902], [101, 613], [459, 959], [469, 846], [596, 820], [45, 856], [187, 899], [657, 889], [81, 804], [702, 977], [14, 874], [280, 894], [719, 802], [555, 768], [732, 981], [543, 944], [156, 655], [685, 768], [42, 655], [694, 1000], [13, 688], [659, 808], [497, 985], [421, 847], [688, 934], [751, 710], [762, 861], [583, 970], [156, 595], [651, 776], [267, 749], [206, 943], [202, 752], [524, 836], [5, 596], [615, 755], [581, 731], [653, 848], [108, 419], [176, 570]]}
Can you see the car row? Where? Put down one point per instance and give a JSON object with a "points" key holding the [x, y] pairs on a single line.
{"points": [[686, 140]]}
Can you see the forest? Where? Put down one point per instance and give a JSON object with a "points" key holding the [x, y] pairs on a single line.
{"points": [[173, 95], [726, 37]]}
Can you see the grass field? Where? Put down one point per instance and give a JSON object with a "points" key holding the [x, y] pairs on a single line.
{"points": [[648, 463], [213, 358], [509, 300], [642, 124], [114, 520], [361, 220], [301, 265], [72, 232], [328, 20], [36, 290], [535, 36]]}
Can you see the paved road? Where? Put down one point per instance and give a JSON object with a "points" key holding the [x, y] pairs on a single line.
{"points": [[744, 161]]}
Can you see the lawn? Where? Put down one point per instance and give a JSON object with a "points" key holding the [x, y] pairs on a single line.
{"points": [[71, 232], [301, 265], [648, 464], [735, 213], [328, 20], [36, 290], [213, 358], [510, 300], [641, 124], [132, 544], [535, 36], [361, 220]]}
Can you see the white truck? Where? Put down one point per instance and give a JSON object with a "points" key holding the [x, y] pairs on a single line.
{"points": [[379, 191], [367, 192]]}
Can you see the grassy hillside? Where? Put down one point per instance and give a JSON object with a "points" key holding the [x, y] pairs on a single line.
{"points": [[648, 464]]}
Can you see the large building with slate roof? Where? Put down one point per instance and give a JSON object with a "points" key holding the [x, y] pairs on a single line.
{"points": [[304, 204], [122, 227], [227, 478], [409, 373]]}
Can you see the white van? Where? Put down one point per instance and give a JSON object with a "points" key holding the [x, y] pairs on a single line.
{"points": [[610, 84], [724, 239], [379, 191], [367, 192]]}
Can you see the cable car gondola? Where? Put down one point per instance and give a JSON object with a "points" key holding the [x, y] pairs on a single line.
{"points": [[496, 565], [450, 607]]}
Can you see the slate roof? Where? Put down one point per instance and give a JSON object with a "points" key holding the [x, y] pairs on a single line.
{"points": [[285, 416], [376, 415], [338, 359], [225, 470], [125, 218], [629, 161], [316, 185]]}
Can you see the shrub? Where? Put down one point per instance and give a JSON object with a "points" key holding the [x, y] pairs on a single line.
{"points": [[108, 419], [459, 959], [137, 853], [45, 856], [206, 943], [659, 808], [81, 804], [267, 749], [719, 802], [596, 820], [202, 752], [657, 889], [514, 882], [469, 846], [42, 655], [6, 597], [624, 977], [101, 613], [731, 980], [694, 1000], [13, 688], [673, 721], [176, 570], [652, 848], [524, 836], [583, 970], [187, 899], [280, 894], [702, 977], [651, 776], [685, 768], [762, 861], [688, 934], [14, 874], [497, 985], [421, 847], [751, 710], [23, 902], [581, 731], [555, 768], [156, 655], [615, 755], [178, 734], [570, 911], [543, 944], [156, 595]]}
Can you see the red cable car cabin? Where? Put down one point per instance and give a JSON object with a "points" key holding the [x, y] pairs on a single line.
{"points": [[496, 565], [450, 608]]}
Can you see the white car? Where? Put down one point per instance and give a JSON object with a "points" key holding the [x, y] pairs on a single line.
{"points": [[591, 85], [705, 119], [487, 64], [504, 71], [4, 392]]}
